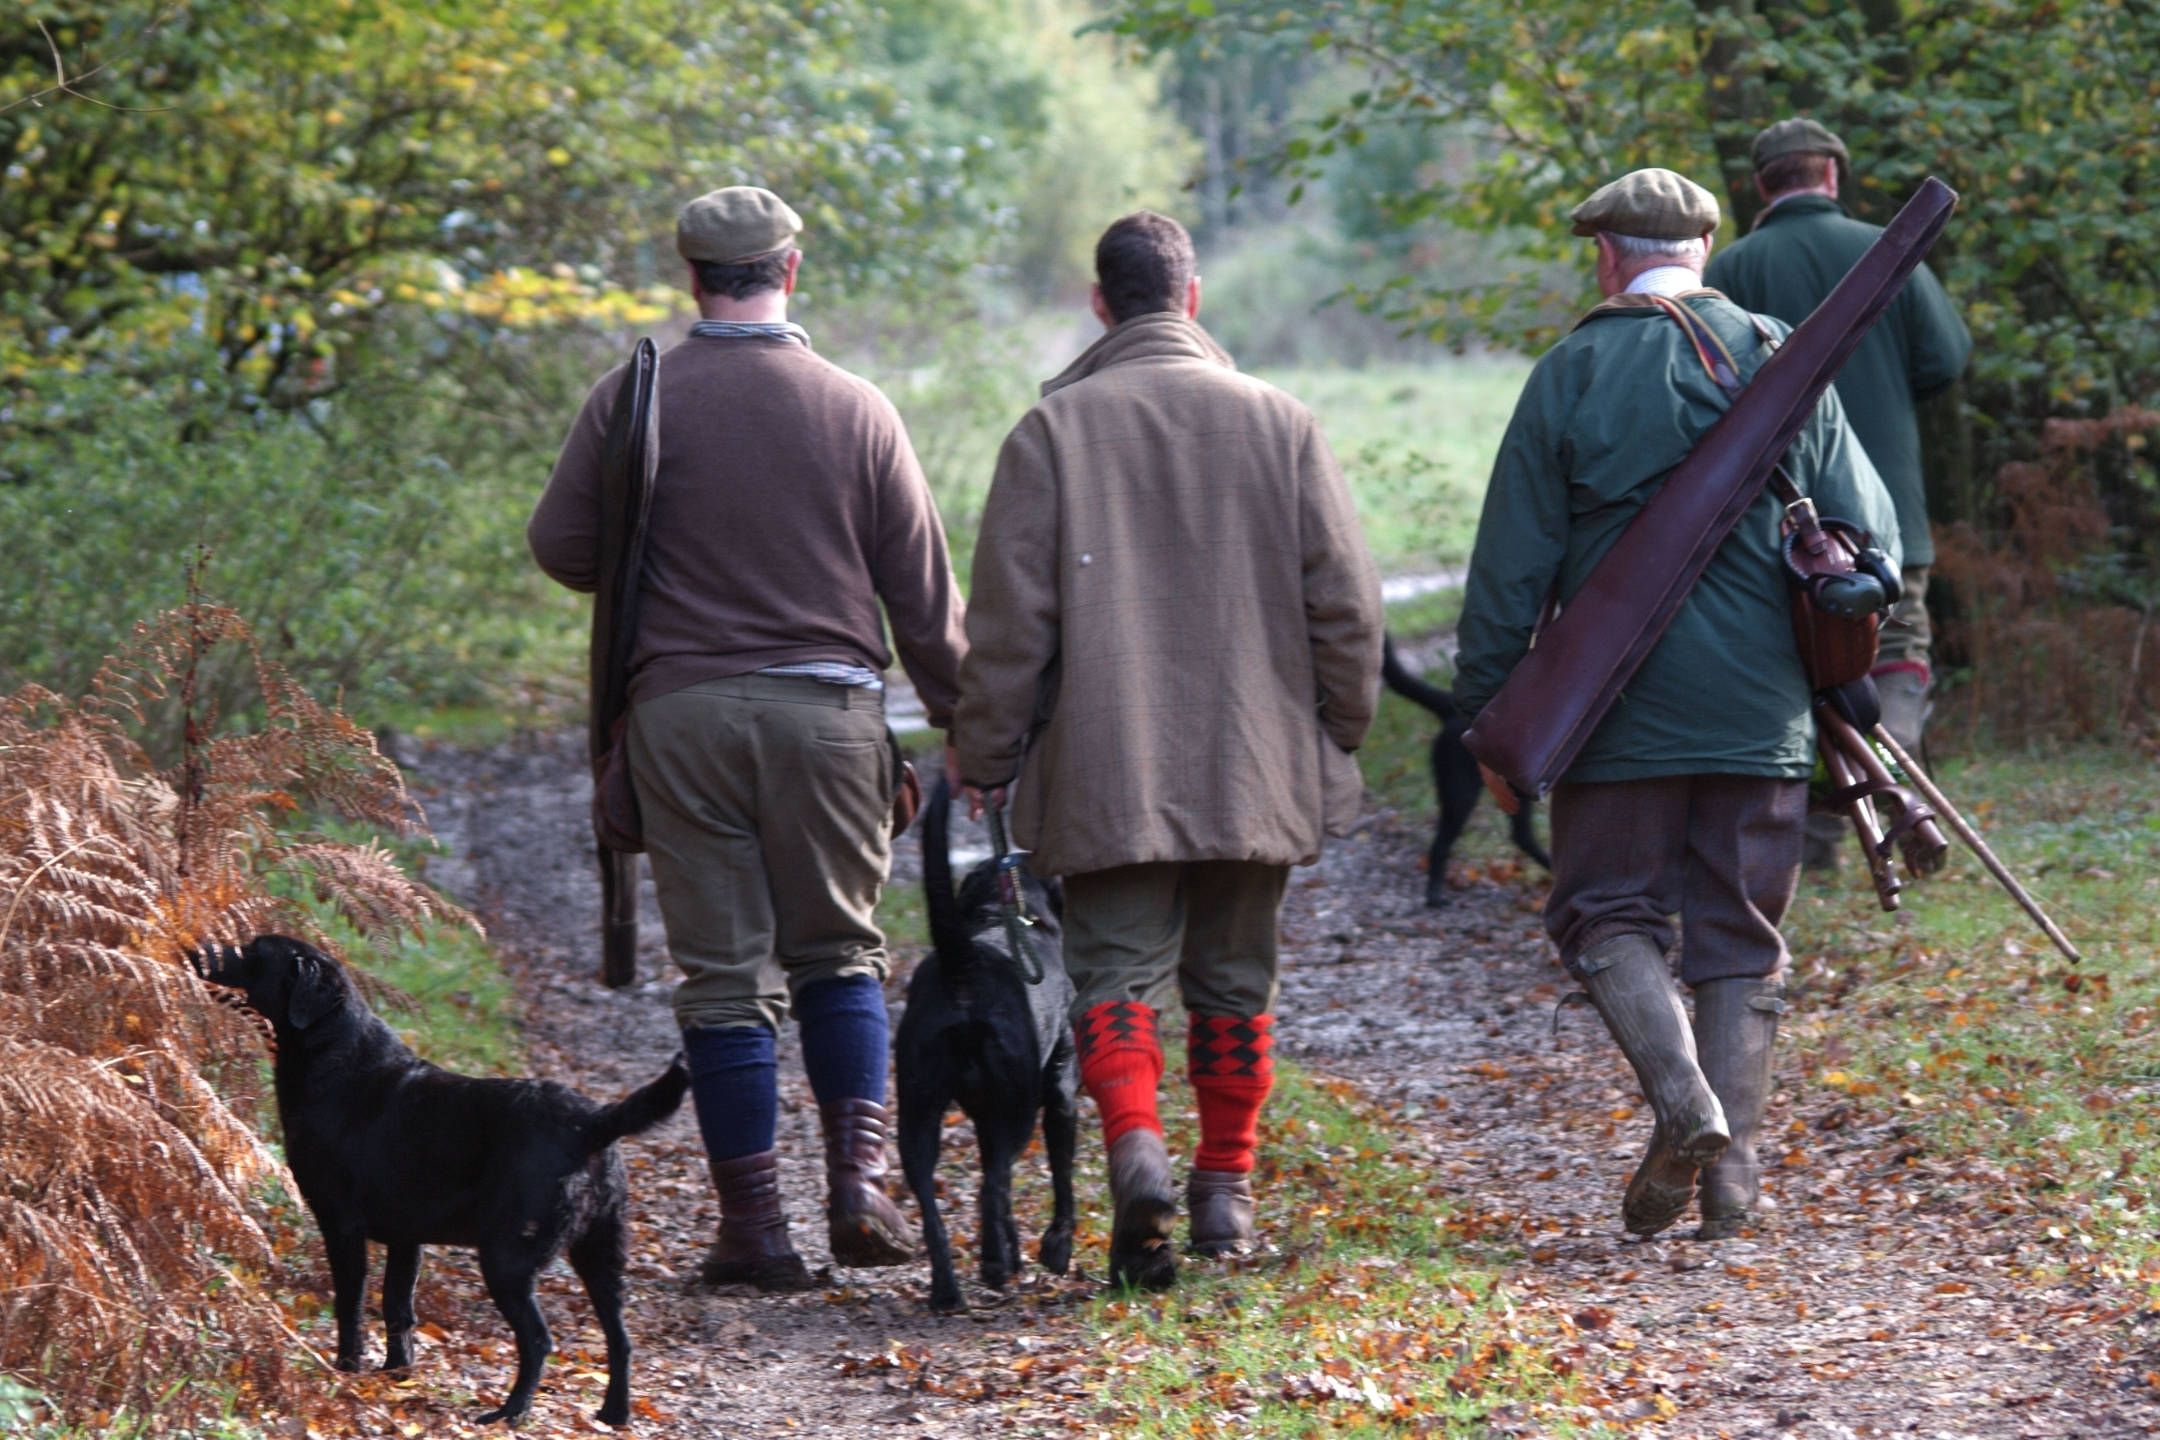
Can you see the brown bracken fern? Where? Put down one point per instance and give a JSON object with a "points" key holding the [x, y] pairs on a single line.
{"points": [[133, 1248]]}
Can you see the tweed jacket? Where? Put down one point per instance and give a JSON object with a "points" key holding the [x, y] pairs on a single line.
{"points": [[1174, 625]]}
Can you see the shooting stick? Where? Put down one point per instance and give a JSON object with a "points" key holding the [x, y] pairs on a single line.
{"points": [[1971, 837]]}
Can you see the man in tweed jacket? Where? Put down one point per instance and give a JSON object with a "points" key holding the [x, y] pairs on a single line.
{"points": [[1174, 645]]}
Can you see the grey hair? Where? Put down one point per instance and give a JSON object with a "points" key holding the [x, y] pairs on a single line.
{"points": [[1695, 252]]}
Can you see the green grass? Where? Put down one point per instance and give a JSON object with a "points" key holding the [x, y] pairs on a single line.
{"points": [[1416, 443], [1364, 1320], [1955, 1019]]}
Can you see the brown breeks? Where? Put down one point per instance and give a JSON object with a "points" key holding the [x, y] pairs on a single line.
{"points": [[767, 802], [1720, 851], [1203, 931]]}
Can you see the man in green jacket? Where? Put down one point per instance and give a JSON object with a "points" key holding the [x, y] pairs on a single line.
{"points": [[1690, 796], [1801, 246]]}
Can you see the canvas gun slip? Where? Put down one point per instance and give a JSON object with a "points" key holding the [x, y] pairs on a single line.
{"points": [[1531, 732], [630, 457]]}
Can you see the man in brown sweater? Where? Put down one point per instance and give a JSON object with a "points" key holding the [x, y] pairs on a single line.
{"points": [[1174, 635], [787, 507]]}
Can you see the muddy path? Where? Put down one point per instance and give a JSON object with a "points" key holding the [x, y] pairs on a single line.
{"points": [[1892, 1293]]}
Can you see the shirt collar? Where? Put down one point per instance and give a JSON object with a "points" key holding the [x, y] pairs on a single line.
{"points": [[1666, 280], [751, 330]]}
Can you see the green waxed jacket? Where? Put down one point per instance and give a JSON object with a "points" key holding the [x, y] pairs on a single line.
{"points": [[1605, 414], [1799, 251]]}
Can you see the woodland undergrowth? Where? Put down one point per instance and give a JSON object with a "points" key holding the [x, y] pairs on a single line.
{"points": [[2050, 624], [137, 1244]]}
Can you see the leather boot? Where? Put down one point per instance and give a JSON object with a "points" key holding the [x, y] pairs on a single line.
{"points": [[1221, 1202], [753, 1248], [1626, 979], [865, 1226], [1735, 1028], [1145, 1215]]}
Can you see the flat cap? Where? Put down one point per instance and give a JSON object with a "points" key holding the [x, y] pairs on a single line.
{"points": [[1654, 204], [735, 225], [1796, 137]]}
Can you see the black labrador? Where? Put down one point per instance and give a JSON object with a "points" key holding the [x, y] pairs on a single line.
{"points": [[387, 1147], [1455, 778], [976, 1032]]}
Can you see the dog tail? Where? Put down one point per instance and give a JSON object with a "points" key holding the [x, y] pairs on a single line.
{"points": [[1411, 688], [641, 1109], [948, 930]]}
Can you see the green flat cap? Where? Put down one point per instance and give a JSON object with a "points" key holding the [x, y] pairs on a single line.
{"points": [[1653, 204], [735, 225], [1796, 137]]}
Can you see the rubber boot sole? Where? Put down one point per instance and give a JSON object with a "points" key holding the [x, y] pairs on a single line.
{"points": [[1664, 1183]]}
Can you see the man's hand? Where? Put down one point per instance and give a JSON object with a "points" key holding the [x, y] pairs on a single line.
{"points": [[1503, 794], [977, 796]]}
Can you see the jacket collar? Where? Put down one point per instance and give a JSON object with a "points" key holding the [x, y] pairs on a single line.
{"points": [[1636, 303], [1800, 205], [1160, 335]]}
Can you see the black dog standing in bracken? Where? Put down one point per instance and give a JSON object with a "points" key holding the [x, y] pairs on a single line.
{"points": [[977, 1033], [1455, 779], [387, 1147]]}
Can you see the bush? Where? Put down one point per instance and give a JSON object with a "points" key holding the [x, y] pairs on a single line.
{"points": [[374, 567], [131, 1250]]}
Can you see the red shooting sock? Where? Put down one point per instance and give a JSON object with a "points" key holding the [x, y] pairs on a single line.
{"points": [[1233, 1068], [1121, 1064]]}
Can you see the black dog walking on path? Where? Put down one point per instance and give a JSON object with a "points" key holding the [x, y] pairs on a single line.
{"points": [[977, 1033], [1455, 778], [386, 1147]]}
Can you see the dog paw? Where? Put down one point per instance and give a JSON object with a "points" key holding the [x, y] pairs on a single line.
{"points": [[613, 1414], [947, 1302], [348, 1363], [1055, 1252], [509, 1415]]}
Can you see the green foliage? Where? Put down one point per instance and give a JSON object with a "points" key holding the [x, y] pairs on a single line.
{"points": [[279, 178], [2041, 115], [372, 567]]}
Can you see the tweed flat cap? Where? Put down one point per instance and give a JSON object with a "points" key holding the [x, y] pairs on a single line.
{"points": [[1796, 137], [1654, 204], [735, 225]]}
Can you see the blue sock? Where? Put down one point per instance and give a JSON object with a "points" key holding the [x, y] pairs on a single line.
{"points": [[844, 1037], [735, 1086]]}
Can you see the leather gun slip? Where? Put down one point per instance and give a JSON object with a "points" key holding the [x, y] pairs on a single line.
{"points": [[1563, 687], [629, 462]]}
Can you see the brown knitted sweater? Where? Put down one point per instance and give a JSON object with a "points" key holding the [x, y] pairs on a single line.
{"points": [[788, 505]]}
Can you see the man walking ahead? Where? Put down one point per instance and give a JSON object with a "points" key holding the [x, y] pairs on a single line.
{"points": [[1174, 642], [1801, 247], [1689, 797], [788, 504]]}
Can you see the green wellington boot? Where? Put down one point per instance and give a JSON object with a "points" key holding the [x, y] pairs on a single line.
{"points": [[1735, 1028], [1627, 981]]}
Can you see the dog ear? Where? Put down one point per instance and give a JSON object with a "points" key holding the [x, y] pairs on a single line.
{"points": [[317, 990]]}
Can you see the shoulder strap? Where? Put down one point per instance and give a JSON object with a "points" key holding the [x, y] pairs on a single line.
{"points": [[1718, 360]]}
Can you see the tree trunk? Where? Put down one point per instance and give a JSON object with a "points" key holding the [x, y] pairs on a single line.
{"points": [[1734, 99]]}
